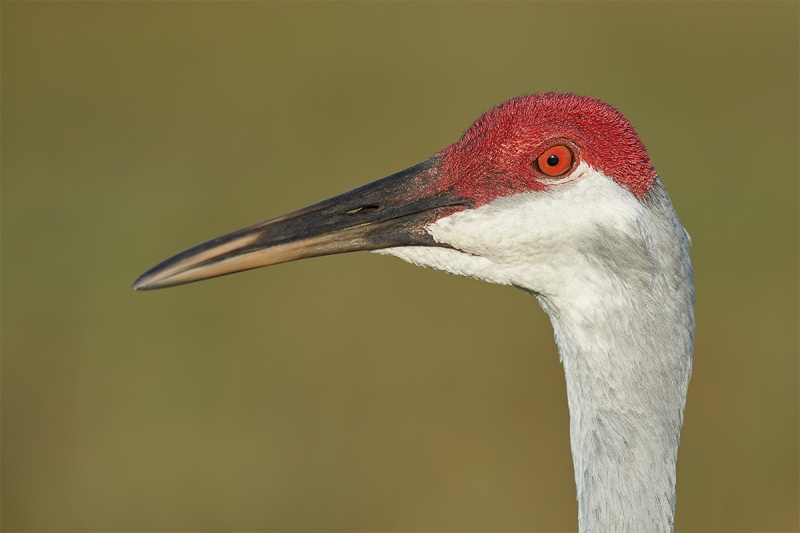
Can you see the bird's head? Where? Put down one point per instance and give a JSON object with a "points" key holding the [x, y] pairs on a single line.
{"points": [[535, 180]]}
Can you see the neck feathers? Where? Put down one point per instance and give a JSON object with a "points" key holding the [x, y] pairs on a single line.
{"points": [[613, 273], [627, 365]]}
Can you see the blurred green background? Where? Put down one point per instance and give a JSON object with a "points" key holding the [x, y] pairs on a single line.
{"points": [[357, 392]]}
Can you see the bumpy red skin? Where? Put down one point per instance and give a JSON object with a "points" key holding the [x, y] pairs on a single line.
{"points": [[496, 156]]}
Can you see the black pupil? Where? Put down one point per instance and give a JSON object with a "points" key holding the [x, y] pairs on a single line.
{"points": [[552, 160]]}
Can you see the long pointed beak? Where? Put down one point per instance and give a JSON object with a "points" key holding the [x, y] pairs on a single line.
{"points": [[386, 213]]}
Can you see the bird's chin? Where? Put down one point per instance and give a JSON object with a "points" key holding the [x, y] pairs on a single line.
{"points": [[449, 260]]}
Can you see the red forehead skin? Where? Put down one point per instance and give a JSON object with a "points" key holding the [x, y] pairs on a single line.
{"points": [[494, 157]]}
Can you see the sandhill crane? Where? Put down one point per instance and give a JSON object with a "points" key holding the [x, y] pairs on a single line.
{"points": [[554, 194]]}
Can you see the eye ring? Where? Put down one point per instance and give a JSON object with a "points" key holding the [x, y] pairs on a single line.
{"points": [[556, 160]]}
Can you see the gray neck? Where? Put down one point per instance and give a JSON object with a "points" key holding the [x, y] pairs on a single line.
{"points": [[627, 366]]}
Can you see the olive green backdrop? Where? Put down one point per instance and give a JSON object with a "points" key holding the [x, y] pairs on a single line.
{"points": [[356, 392]]}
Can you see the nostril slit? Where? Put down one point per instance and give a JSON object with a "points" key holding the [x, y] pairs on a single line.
{"points": [[362, 209]]}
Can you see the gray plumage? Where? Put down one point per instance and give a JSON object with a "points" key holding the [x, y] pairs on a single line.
{"points": [[627, 368]]}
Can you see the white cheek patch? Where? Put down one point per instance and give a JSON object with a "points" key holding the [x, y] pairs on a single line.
{"points": [[450, 261], [535, 240]]}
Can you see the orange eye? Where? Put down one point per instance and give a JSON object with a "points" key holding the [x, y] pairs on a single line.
{"points": [[555, 161]]}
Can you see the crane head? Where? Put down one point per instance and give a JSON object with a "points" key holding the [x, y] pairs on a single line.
{"points": [[531, 178]]}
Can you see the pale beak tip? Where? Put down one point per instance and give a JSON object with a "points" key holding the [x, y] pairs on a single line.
{"points": [[148, 282], [140, 285]]}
